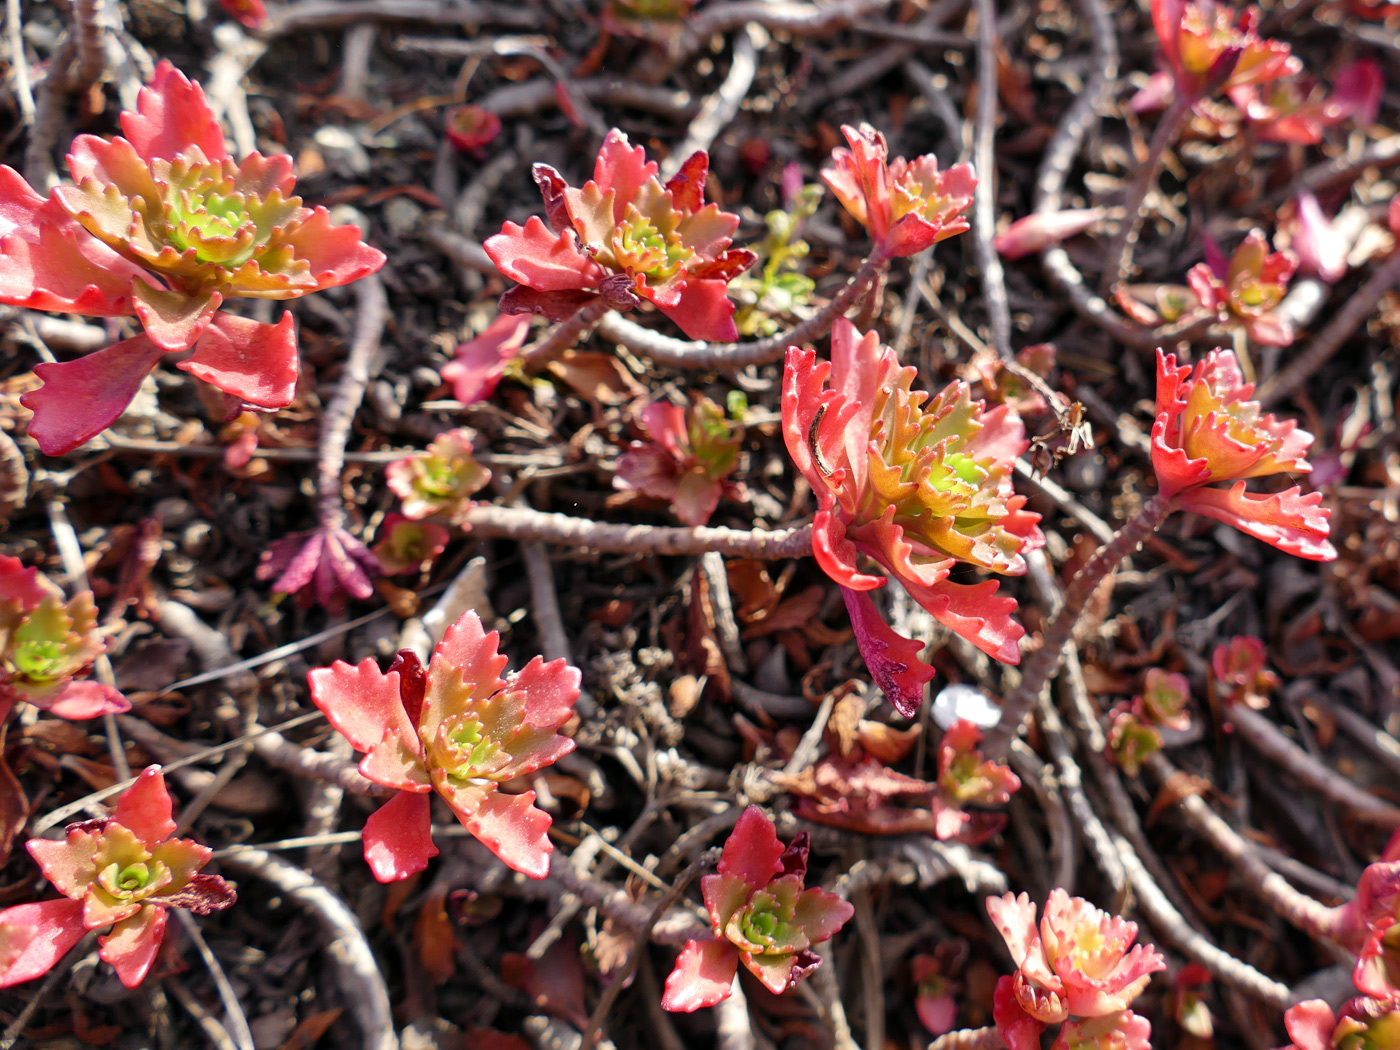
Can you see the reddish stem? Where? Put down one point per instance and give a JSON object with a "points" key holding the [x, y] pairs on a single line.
{"points": [[533, 525], [1269, 740], [679, 353], [1042, 664], [372, 315], [1298, 909], [1120, 255], [969, 1039], [563, 336]]}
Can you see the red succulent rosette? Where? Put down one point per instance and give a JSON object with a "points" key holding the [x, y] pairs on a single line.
{"points": [[123, 873], [1196, 36], [918, 484], [1208, 430], [688, 459], [905, 205], [1078, 967], [623, 238], [48, 644], [762, 917], [162, 223], [455, 727]]}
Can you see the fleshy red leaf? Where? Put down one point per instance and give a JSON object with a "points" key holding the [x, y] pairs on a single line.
{"points": [[172, 115], [173, 320], [1310, 1024], [398, 837], [704, 311], [132, 945], [536, 256], [479, 362], [362, 703], [1296, 524], [81, 700], [83, 397], [512, 828], [1018, 1029], [752, 850], [703, 976], [145, 808], [550, 691], [33, 937], [253, 362], [892, 659], [51, 262]]}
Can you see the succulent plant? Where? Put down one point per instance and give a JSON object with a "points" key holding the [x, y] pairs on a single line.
{"points": [[125, 873], [162, 223]]}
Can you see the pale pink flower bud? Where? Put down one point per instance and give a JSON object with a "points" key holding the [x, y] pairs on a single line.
{"points": [[1037, 232], [1321, 247]]}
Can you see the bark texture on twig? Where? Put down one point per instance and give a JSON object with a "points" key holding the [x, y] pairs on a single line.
{"points": [[1271, 742], [366, 352], [361, 983], [984, 205], [1041, 665], [533, 525]]}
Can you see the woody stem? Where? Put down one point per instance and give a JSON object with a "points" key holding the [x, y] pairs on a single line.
{"points": [[680, 353], [1298, 909], [1120, 255], [969, 1039], [371, 316], [563, 336], [533, 526], [1042, 664]]}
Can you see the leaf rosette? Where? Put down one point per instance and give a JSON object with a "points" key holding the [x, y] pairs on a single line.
{"points": [[622, 238], [1208, 430], [455, 727], [919, 485], [762, 917], [906, 206], [46, 643], [440, 480], [123, 872], [162, 223]]}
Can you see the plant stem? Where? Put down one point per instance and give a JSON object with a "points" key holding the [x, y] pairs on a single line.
{"points": [[533, 525], [984, 205], [563, 336], [1311, 916], [1270, 741], [371, 317], [1173, 928], [1120, 255], [680, 353], [1042, 664], [1326, 343]]}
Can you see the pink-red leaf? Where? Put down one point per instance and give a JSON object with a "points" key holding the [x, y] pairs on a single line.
{"points": [[1296, 524], [703, 976], [892, 659], [33, 937], [132, 945], [172, 115], [83, 397], [398, 837], [512, 828], [145, 808], [480, 362], [253, 362], [752, 850], [173, 320]]}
